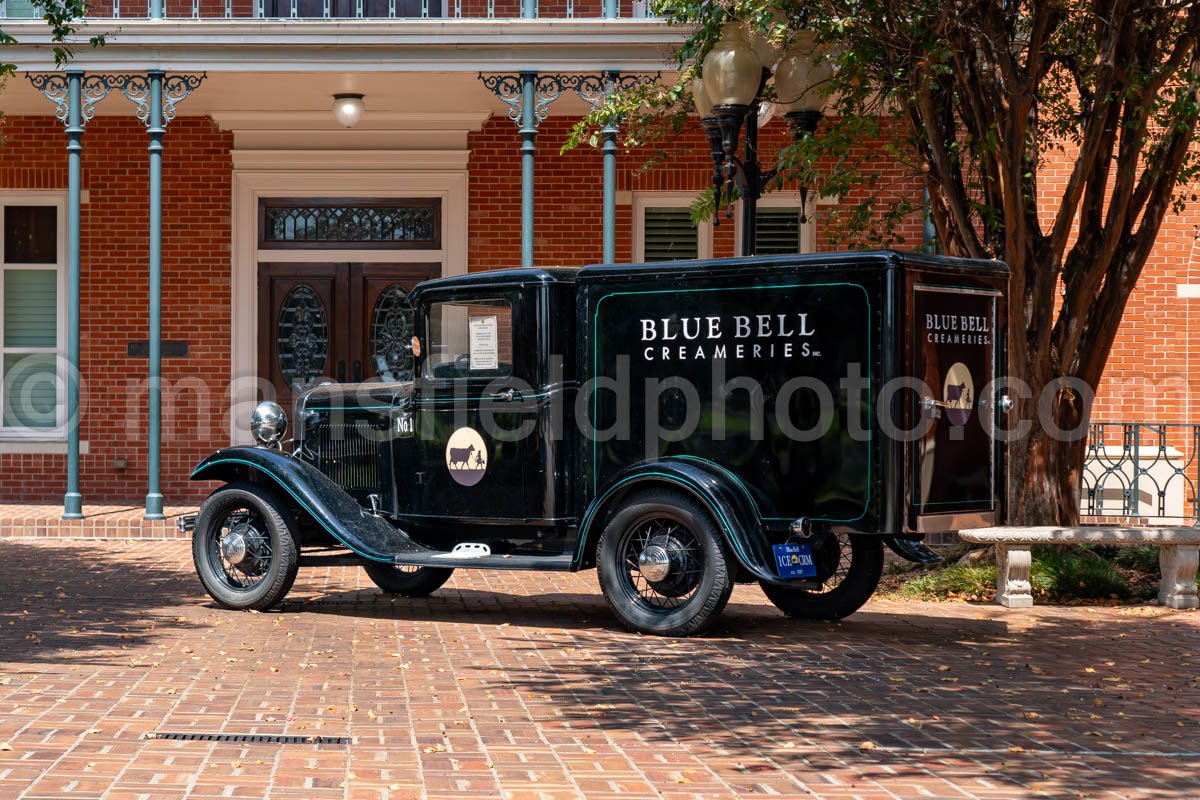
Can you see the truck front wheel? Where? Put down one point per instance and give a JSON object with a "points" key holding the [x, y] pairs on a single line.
{"points": [[408, 581], [848, 566], [244, 547], [663, 566]]}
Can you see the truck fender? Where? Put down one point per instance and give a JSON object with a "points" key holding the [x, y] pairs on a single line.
{"points": [[337, 512], [717, 488]]}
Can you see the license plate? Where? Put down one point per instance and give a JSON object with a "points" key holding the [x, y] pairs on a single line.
{"points": [[794, 560]]}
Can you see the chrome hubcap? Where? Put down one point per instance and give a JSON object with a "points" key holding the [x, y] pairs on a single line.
{"points": [[654, 562], [233, 547]]}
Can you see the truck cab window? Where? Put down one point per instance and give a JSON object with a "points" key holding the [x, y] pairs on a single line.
{"points": [[470, 339]]}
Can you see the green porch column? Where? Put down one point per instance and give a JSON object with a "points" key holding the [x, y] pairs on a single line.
{"points": [[608, 148], [73, 501], [74, 96], [528, 133], [595, 90], [155, 127], [156, 96], [528, 96]]}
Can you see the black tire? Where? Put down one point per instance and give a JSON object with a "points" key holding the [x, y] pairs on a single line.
{"points": [[698, 583], [407, 581], [850, 566], [265, 555]]}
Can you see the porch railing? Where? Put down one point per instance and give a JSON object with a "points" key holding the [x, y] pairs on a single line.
{"points": [[1147, 470], [355, 9]]}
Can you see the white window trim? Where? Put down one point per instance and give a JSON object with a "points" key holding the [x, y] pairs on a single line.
{"points": [[645, 200], [808, 231], [57, 434]]}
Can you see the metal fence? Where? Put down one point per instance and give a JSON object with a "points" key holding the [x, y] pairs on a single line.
{"points": [[355, 9], [1147, 470]]}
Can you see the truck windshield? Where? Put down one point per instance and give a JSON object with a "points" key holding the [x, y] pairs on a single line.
{"points": [[470, 339]]}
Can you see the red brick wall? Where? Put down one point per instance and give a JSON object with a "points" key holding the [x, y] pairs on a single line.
{"points": [[115, 291], [569, 192]]}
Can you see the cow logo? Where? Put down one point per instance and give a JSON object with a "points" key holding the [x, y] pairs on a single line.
{"points": [[958, 394], [466, 456]]}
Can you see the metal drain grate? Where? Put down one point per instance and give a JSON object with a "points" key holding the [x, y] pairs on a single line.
{"points": [[250, 738]]}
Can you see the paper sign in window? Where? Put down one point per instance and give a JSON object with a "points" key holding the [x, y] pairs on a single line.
{"points": [[485, 343]]}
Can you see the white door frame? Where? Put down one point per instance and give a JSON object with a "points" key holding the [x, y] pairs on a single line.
{"points": [[370, 175]]}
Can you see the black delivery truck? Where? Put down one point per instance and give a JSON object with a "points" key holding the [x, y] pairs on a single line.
{"points": [[680, 426]]}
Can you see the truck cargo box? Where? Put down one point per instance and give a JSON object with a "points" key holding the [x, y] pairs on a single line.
{"points": [[854, 388]]}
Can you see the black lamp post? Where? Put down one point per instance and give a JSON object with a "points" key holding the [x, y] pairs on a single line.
{"points": [[728, 96]]}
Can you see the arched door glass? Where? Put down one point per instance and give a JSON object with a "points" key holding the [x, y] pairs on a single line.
{"points": [[391, 334], [302, 337]]}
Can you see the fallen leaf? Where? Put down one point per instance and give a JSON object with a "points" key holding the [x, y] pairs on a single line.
{"points": [[868, 745]]}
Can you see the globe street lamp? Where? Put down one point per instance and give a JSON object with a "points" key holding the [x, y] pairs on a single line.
{"points": [[728, 96]]}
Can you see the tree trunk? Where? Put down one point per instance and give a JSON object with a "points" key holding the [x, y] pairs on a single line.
{"points": [[1045, 466]]}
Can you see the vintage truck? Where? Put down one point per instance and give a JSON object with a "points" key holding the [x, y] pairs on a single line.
{"points": [[681, 427]]}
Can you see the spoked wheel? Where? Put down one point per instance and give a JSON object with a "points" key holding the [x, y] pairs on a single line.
{"points": [[662, 565], [410, 581], [849, 567], [244, 548]]}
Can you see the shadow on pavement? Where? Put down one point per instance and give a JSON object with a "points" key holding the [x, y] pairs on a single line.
{"points": [[1043, 703], [91, 601]]}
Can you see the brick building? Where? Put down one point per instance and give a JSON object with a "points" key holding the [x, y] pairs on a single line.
{"points": [[257, 172]]}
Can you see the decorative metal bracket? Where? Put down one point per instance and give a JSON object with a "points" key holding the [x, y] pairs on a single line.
{"points": [[596, 89], [175, 89], [549, 88], [510, 90], [54, 87], [94, 88]]}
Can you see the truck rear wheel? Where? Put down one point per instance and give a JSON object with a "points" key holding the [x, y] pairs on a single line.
{"points": [[663, 566], [244, 547], [409, 581], [849, 566]]}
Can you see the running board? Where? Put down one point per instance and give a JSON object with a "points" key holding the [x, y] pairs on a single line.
{"points": [[438, 558]]}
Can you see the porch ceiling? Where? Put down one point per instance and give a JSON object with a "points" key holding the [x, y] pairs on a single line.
{"points": [[290, 101]]}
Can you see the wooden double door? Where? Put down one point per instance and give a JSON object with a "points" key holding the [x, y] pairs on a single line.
{"points": [[335, 321]]}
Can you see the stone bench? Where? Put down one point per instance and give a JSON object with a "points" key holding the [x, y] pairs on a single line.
{"points": [[1178, 557]]}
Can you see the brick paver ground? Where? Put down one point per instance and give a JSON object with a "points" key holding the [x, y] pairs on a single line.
{"points": [[520, 685]]}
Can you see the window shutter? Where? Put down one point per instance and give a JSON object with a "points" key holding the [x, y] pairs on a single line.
{"points": [[777, 232], [30, 308], [30, 390], [669, 235]]}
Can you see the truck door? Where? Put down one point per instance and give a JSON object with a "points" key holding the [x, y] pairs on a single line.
{"points": [[476, 412], [954, 354]]}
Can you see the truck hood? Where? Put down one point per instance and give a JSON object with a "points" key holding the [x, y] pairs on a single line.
{"points": [[369, 396]]}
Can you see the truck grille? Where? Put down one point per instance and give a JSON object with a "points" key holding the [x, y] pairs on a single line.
{"points": [[346, 455]]}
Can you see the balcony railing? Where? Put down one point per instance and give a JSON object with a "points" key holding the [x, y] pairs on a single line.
{"points": [[1143, 470], [353, 9]]}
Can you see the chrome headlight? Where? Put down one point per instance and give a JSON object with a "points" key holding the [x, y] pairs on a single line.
{"points": [[268, 423]]}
